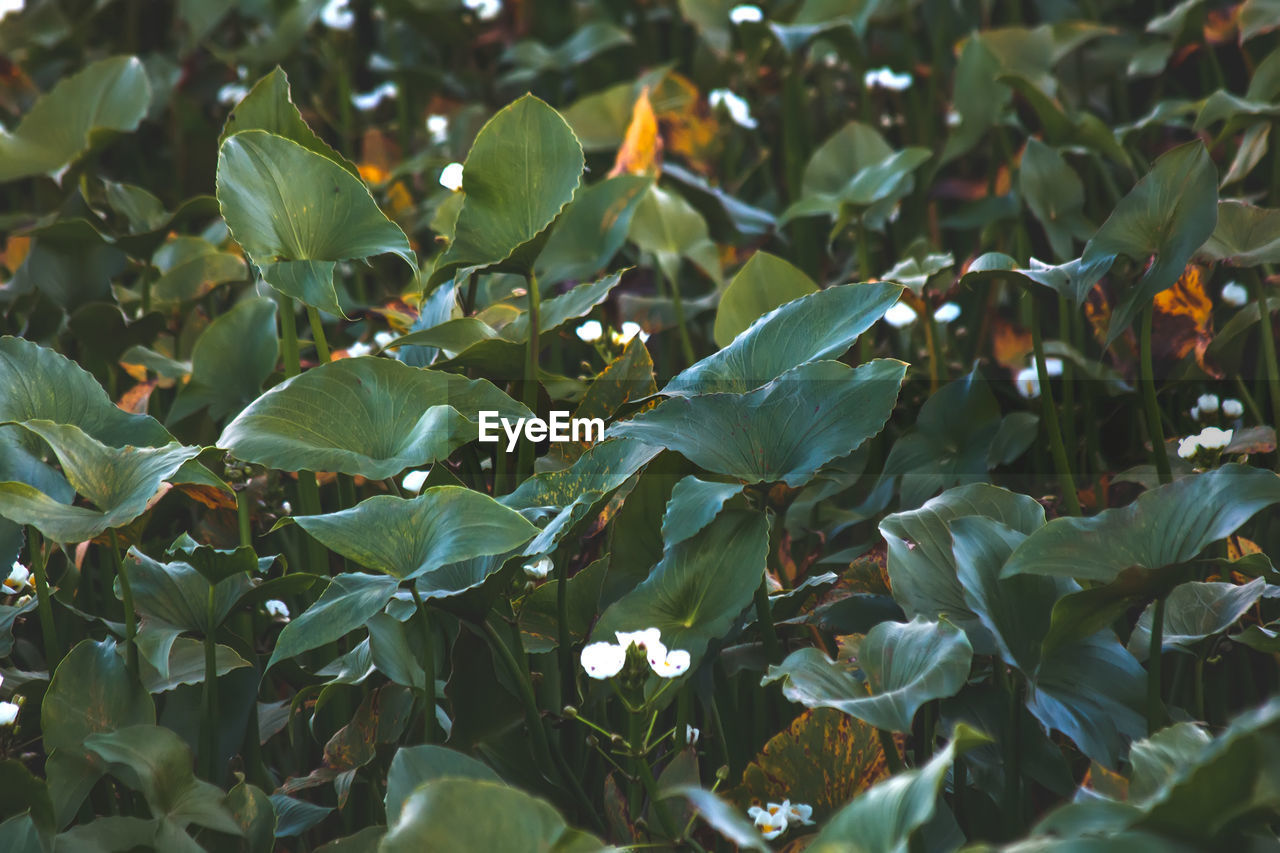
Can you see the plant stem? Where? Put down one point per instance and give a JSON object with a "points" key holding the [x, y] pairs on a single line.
{"points": [[242, 517], [44, 604], [1268, 353], [686, 344], [289, 338], [764, 618], [428, 668], [1066, 482], [130, 619], [1198, 687], [1155, 430], [317, 334], [525, 459], [210, 726], [1155, 710], [651, 787], [891, 756], [564, 649]]}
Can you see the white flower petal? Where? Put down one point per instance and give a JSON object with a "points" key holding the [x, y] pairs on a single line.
{"points": [[8, 713], [412, 481], [672, 664], [358, 349], [1212, 438], [1188, 446], [1232, 408], [438, 127], [900, 315], [451, 177], [276, 607], [603, 660], [948, 312], [336, 16], [539, 568], [738, 109], [1234, 294], [590, 331], [745, 14], [800, 813], [1027, 383], [1207, 402]]}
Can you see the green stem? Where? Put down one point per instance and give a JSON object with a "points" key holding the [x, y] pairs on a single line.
{"points": [[686, 344], [1198, 687], [130, 619], [891, 756], [1269, 354], [428, 668], [651, 787], [1065, 330], [317, 333], [525, 459], [1155, 430], [764, 617], [289, 338], [44, 604], [1066, 482], [309, 504], [211, 716], [1155, 708], [242, 516], [564, 644]]}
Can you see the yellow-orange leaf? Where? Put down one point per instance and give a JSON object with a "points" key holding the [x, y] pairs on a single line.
{"points": [[642, 147], [1183, 319]]}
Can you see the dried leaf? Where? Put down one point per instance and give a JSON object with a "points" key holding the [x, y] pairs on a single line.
{"points": [[641, 150]]}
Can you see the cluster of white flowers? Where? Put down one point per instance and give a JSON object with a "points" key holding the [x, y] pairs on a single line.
{"points": [[366, 101], [538, 569], [1234, 294], [358, 349], [746, 14], [885, 78], [738, 109], [1208, 404], [605, 660], [277, 609], [438, 127], [1210, 438], [413, 480], [773, 819], [19, 578], [1028, 379], [8, 711], [900, 315], [451, 177], [486, 10]]}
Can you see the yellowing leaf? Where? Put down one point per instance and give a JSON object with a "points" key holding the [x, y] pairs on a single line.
{"points": [[1183, 319], [642, 147]]}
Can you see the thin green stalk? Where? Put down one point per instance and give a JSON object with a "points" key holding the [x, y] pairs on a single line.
{"points": [[242, 516], [1155, 705], [764, 617], [655, 804], [289, 338], [130, 619], [1048, 411], [525, 459], [346, 491], [209, 728], [317, 334], [1065, 318], [1198, 687], [891, 756], [634, 791], [1155, 429], [1013, 759], [686, 343], [1269, 354], [428, 668], [309, 504], [44, 604], [564, 643]]}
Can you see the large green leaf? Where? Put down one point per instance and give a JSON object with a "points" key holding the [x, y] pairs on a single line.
{"points": [[407, 538], [91, 692], [555, 312], [592, 229], [921, 563], [368, 416], [269, 106], [179, 595], [119, 481], [700, 586], [415, 765], [818, 326], [1163, 527], [231, 360], [346, 604], [1169, 213], [1245, 235], [693, 505], [441, 817], [296, 212], [764, 283], [523, 168], [1195, 611], [672, 229], [190, 267], [904, 665], [1055, 195], [109, 95], [784, 430]]}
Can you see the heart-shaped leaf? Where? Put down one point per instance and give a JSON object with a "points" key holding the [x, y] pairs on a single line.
{"points": [[269, 106], [345, 605], [764, 283], [1245, 236], [231, 360], [592, 229]]}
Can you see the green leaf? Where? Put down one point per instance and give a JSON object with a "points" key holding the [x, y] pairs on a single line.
{"points": [[269, 106], [1169, 213], [1157, 760], [1163, 527], [1245, 236], [176, 593], [155, 761], [555, 312], [904, 665], [539, 612], [693, 505], [413, 766], [296, 212], [346, 604], [700, 586], [190, 267], [91, 692], [70, 262], [756, 437], [921, 563], [1055, 195], [1195, 611], [231, 360], [764, 283], [523, 168], [251, 808], [108, 95], [407, 538], [822, 325], [887, 817], [369, 416], [120, 481], [672, 229], [724, 818], [440, 816], [591, 230], [186, 665]]}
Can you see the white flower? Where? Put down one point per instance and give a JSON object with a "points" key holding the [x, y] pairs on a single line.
{"points": [[646, 639], [384, 338], [770, 820], [900, 315], [799, 813], [738, 109], [8, 713], [539, 568], [1232, 408], [438, 127], [22, 600], [1053, 366], [1212, 438], [413, 481], [366, 101], [603, 660], [336, 15], [451, 177], [277, 609], [19, 577], [953, 118], [486, 10], [629, 331], [672, 664], [358, 349], [885, 78], [1234, 294], [1028, 383], [286, 507], [947, 312], [1207, 402], [1195, 413], [691, 735], [745, 14], [232, 93], [1188, 446], [590, 331], [7, 6]]}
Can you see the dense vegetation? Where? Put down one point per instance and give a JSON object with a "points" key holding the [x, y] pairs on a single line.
{"points": [[934, 347]]}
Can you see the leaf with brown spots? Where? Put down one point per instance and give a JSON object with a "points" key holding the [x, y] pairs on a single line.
{"points": [[1183, 319]]}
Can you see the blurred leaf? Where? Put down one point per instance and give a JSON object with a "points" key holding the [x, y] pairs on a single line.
{"points": [[539, 612], [1055, 195], [252, 810], [190, 267], [723, 817], [764, 283], [693, 505], [294, 816], [591, 230], [672, 229], [91, 692], [231, 360], [1195, 611], [179, 595], [1245, 236], [559, 310], [70, 262], [346, 604], [641, 149], [413, 766]]}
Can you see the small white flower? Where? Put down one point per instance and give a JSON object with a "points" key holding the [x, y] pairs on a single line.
{"points": [[603, 660], [1234, 294], [22, 600], [746, 13], [451, 177], [953, 118], [738, 109], [885, 78], [286, 507], [947, 312], [770, 820], [277, 609], [672, 664], [336, 15], [799, 813], [8, 713], [1195, 413], [7, 6], [366, 101], [590, 331], [629, 331], [384, 338], [1028, 383], [1188, 446], [1232, 408], [19, 577], [232, 93], [358, 349], [642, 639], [438, 127], [900, 315], [539, 568], [413, 481], [691, 735], [486, 10], [1207, 402], [1053, 366], [1212, 438]]}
